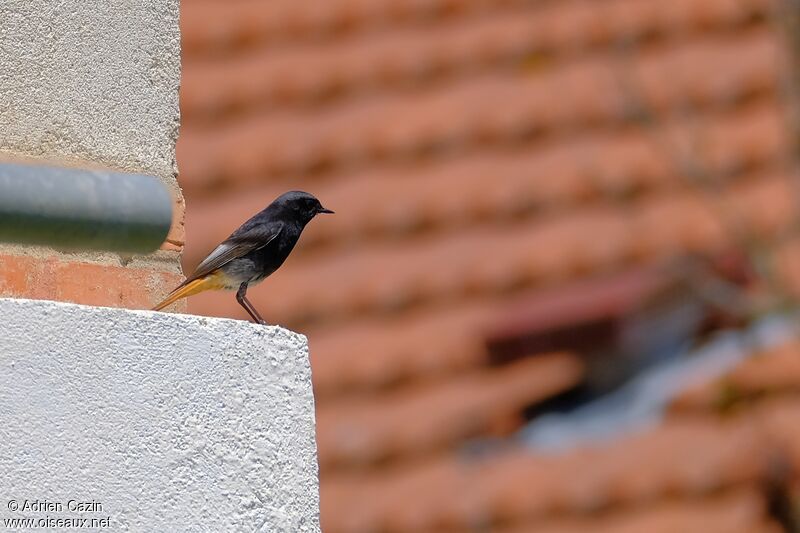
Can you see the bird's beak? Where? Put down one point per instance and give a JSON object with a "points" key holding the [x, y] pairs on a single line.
{"points": [[323, 210]]}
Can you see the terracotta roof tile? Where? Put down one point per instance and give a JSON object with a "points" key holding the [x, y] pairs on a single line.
{"points": [[266, 77], [763, 210], [776, 370], [210, 27], [754, 135], [431, 343], [777, 418], [380, 127], [395, 275], [738, 511], [681, 457], [673, 75], [602, 167], [485, 108], [786, 266], [419, 419]]}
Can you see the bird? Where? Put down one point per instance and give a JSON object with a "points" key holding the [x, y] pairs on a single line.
{"points": [[254, 251]]}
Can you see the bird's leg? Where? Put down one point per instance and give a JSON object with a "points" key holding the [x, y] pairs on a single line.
{"points": [[241, 297]]}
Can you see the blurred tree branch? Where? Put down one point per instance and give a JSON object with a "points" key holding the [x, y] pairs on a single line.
{"points": [[683, 147]]}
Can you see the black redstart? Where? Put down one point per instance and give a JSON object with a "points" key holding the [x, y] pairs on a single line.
{"points": [[252, 252]]}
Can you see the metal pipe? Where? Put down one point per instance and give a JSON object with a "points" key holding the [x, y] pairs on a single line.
{"points": [[70, 208]]}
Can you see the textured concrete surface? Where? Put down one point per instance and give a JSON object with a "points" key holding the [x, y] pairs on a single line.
{"points": [[92, 88], [89, 84], [169, 422]]}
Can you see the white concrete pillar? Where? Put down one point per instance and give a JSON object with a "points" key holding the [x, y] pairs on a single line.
{"points": [[162, 422]]}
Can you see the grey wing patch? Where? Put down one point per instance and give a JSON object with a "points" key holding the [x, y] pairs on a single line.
{"points": [[221, 255], [230, 250]]}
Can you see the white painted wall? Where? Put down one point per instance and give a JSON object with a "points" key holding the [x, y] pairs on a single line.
{"points": [[170, 422], [91, 82]]}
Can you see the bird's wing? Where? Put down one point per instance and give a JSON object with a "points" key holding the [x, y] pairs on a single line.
{"points": [[237, 245]]}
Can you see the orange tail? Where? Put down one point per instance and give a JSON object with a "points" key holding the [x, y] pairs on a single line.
{"points": [[193, 287]]}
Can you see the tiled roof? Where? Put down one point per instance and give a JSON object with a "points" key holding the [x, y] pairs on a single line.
{"points": [[416, 272], [391, 60], [484, 109], [451, 194], [211, 28], [740, 511], [681, 459], [434, 416], [770, 372], [500, 168]]}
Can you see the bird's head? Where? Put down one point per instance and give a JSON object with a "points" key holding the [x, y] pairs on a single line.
{"points": [[301, 204]]}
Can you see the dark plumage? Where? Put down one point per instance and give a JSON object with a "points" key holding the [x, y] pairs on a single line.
{"points": [[252, 252]]}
